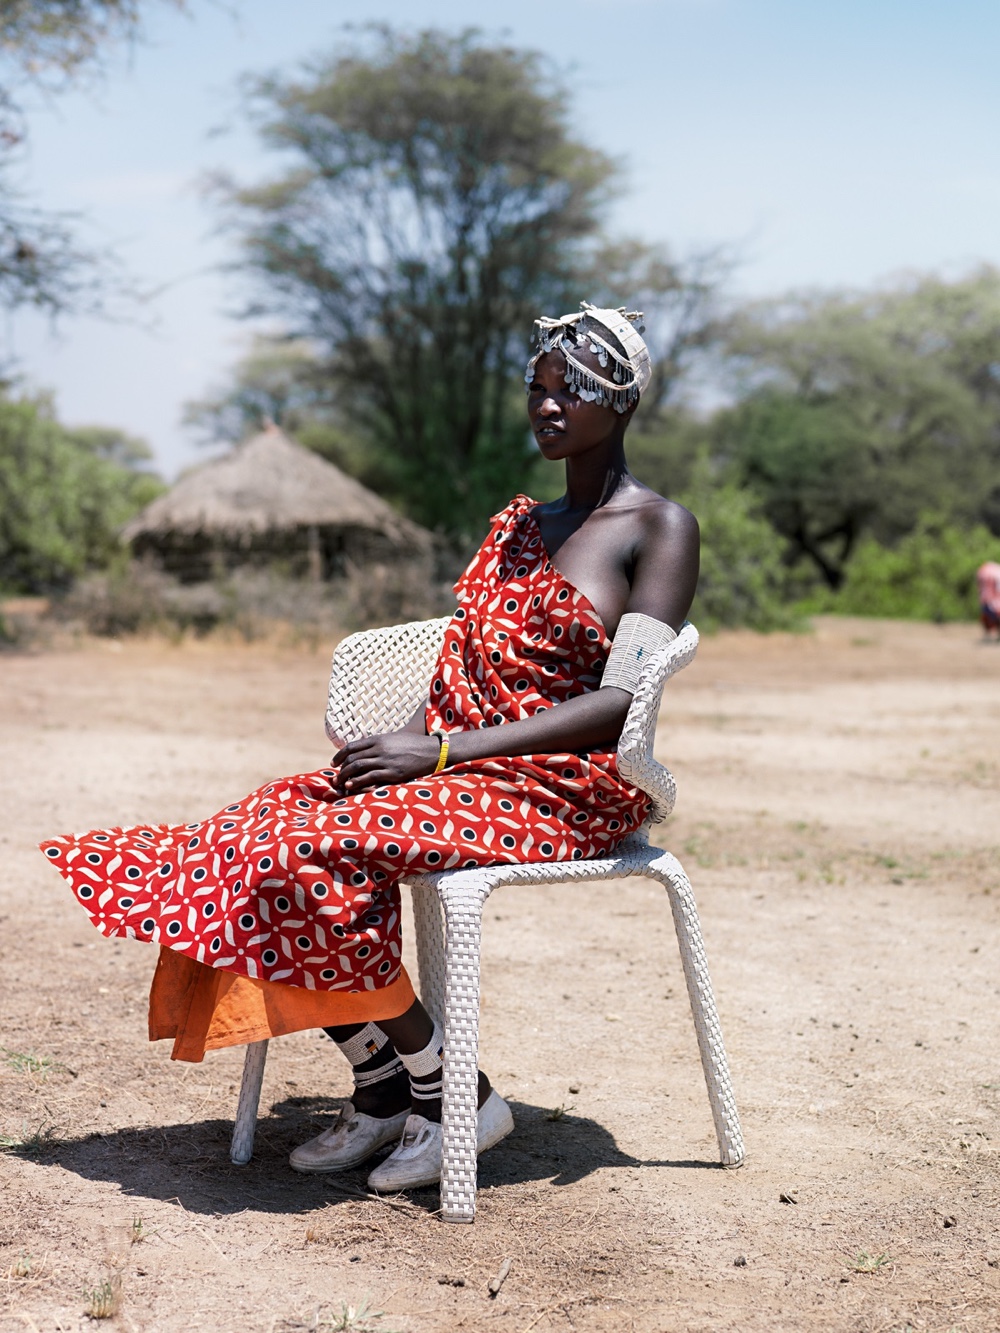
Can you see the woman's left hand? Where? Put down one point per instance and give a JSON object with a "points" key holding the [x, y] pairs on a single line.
{"points": [[380, 761]]}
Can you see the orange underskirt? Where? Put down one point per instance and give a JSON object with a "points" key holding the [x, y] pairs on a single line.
{"points": [[204, 1009]]}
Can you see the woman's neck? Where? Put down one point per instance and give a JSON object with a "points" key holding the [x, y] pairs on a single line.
{"points": [[591, 482]]}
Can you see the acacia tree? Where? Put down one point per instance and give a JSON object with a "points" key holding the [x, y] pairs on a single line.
{"points": [[861, 411], [47, 45], [681, 302], [277, 380], [434, 202], [282, 380], [54, 39]]}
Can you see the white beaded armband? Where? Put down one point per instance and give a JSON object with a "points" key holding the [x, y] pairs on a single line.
{"points": [[638, 638]]}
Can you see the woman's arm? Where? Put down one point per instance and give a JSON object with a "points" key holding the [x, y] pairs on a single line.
{"points": [[664, 579]]}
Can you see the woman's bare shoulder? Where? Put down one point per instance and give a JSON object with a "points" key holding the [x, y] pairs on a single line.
{"points": [[665, 520], [666, 561]]}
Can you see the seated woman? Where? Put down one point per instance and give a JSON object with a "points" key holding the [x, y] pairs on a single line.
{"points": [[293, 893]]}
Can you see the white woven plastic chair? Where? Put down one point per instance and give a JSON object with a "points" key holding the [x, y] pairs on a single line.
{"points": [[378, 678]]}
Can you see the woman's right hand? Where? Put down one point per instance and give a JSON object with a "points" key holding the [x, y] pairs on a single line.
{"points": [[381, 761]]}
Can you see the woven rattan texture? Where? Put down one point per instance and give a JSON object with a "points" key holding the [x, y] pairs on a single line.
{"points": [[378, 678], [428, 931], [241, 1148], [635, 746], [463, 894]]}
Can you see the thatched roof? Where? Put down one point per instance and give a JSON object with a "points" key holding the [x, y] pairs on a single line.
{"points": [[270, 484]]}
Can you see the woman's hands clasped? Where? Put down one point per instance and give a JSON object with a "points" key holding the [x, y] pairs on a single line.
{"points": [[380, 761]]}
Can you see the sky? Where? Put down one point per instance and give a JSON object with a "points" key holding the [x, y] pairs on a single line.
{"points": [[830, 144]]}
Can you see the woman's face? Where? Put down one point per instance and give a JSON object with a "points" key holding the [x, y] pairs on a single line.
{"points": [[563, 423]]}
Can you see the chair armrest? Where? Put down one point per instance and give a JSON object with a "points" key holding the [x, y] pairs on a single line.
{"points": [[635, 746]]}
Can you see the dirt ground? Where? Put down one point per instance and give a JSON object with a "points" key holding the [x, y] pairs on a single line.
{"points": [[838, 814]]}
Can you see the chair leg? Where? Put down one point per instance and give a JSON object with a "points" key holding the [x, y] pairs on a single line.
{"points": [[429, 933], [463, 900], [669, 871], [241, 1149]]}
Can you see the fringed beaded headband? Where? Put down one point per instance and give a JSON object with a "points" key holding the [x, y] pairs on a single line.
{"points": [[613, 337]]}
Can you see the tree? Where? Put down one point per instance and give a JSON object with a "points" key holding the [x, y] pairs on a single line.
{"points": [[682, 307], [812, 469], [128, 452], [665, 450], [48, 44], [859, 412], [279, 380], [55, 39], [929, 575], [282, 380], [436, 201], [64, 495], [744, 578]]}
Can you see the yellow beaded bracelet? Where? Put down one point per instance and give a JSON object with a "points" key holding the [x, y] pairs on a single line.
{"points": [[442, 737]]}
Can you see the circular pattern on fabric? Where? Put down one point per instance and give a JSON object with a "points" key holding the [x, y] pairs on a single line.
{"points": [[304, 872]]}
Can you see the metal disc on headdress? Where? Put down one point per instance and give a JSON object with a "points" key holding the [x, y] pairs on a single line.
{"points": [[631, 373]]}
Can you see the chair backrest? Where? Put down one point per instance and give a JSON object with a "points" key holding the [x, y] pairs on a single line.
{"points": [[378, 678]]}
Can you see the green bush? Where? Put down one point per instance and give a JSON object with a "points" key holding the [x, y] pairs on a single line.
{"points": [[929, 575], [745, 578], [63, 497]]}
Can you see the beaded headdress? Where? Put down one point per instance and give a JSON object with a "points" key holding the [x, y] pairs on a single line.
{"points": [[613, 336]]}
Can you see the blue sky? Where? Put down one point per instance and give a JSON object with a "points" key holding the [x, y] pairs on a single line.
{"points": [[834, 144]]}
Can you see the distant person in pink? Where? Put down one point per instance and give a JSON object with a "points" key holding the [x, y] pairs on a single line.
{"points": [[988, 578]]}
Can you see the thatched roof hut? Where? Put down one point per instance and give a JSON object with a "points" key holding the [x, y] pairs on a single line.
{"points": [[271, 500]]}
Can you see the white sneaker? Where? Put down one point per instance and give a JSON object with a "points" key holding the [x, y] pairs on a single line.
{"points": [[349, 1141], [417, 1160]]}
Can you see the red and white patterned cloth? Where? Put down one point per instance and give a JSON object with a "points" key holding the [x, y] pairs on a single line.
{"points": [[299, 885]]}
